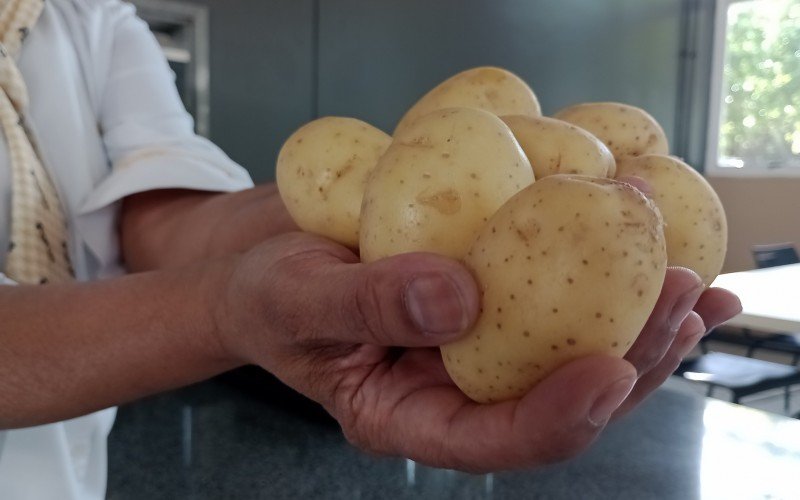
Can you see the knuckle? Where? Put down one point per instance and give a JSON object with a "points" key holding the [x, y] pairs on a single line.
{"points": [[649, 360], [362, 315], [648, 352]]}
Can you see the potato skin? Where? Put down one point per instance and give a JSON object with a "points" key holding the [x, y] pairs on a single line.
{"points": [[495, 90], [439, 182], [696, 227], [625, 129], [557, 147], [570, 266], [322, 172]]}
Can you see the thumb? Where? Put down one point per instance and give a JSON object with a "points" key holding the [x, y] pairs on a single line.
{"points": [[408, 300]]}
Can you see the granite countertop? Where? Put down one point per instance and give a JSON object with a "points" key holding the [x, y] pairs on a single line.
{"points": [[244, 436]]}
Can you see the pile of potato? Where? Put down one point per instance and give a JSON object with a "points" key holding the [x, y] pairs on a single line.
{"points": [[569, 261]]}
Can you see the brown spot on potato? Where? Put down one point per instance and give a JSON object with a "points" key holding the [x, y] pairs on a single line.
{"points": [[418, 142], [447, 202]]}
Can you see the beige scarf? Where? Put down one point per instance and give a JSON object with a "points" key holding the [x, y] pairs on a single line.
{"points": [[37, 252]]}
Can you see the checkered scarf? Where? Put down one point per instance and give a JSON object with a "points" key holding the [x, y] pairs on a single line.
{"points": [[38, 251]]}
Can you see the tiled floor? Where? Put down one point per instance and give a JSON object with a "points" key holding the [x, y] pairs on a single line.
{"points": [[771, 401]]}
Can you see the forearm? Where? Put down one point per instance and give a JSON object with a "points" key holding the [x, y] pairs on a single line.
{"points": [[168, 228], [67, 350]]}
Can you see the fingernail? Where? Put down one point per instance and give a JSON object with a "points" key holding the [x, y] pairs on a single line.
{"points": [[683, 306], [436, 304], [610, 400]]}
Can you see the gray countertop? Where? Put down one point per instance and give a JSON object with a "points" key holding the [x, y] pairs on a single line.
{"points": [[256, 440]]}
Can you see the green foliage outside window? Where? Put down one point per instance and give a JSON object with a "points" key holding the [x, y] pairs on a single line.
{"points": [[761, 84]]}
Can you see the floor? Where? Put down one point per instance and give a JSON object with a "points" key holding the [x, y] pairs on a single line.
{"points": [[771, 401]]}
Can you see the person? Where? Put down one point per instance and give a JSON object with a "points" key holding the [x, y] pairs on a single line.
{"points": [[174, 268]]}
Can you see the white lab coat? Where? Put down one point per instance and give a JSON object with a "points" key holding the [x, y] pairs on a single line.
{"points": [[109, 123]]}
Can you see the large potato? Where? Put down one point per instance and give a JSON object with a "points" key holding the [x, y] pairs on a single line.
{"points": [[322, 172], [557, 147], [495, 90], [696, 229], [626, 130], [570, 266], [439, 182]]}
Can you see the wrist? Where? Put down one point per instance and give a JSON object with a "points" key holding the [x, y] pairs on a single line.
{"points": [[221, 330]]}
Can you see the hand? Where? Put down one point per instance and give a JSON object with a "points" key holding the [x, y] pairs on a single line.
{"points": [[662, 345], [309, 312]]}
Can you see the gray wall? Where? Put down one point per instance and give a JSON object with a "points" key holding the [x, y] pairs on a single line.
{"points": [[261, 77], [374, 58]]}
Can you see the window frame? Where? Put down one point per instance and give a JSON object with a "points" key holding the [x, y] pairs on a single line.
{"points": [[712, 167]]}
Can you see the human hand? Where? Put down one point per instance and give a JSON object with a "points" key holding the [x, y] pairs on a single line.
{"points": [[361, 340], [659, 350]]}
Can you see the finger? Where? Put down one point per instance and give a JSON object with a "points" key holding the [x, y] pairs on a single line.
{"points": [[557, 419], [690, 333], [716, 306], [639, 183], [409, 300], [679, 294]]}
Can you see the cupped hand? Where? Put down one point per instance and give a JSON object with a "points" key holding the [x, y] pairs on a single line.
{"points": [[361, 340]]}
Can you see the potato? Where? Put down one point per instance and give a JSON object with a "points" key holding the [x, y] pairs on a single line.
{"points": [[495, 90], [696, 229], [570, 266], [439, 182], [322, 172], [626, 130], [557, 147]]}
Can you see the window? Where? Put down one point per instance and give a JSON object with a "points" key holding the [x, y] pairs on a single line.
{"points": [[755, 95]]}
